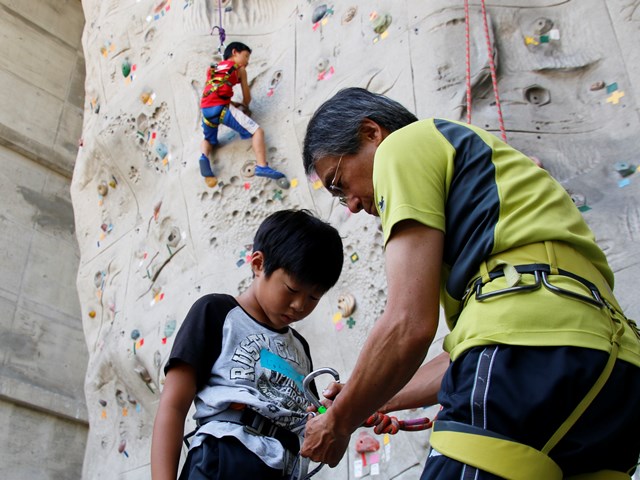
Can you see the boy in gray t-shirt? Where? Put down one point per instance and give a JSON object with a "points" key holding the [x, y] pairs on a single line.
{"points": [[242, 364]]}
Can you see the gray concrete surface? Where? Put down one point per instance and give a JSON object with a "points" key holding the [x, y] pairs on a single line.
{"points": [[43, 354]]}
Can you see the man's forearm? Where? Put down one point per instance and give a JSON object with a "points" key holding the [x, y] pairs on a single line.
{"points": [[381, 371]]}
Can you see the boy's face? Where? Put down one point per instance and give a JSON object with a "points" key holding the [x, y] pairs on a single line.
{"points": [[241, 58], [281, 299]]}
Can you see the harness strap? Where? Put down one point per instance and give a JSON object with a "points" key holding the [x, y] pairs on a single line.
{"points": [[256, 424], [211, 124], [502, 456], [593, 392], [216, 83], [492, 452]]}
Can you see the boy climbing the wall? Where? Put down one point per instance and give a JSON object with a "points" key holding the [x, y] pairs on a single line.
{"points": [[242, 363], [218, 108]]}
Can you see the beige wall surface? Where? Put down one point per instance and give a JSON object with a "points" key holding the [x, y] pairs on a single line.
{"points": [[157, 237], [43, 354]]}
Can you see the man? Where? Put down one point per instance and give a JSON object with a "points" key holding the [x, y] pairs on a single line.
{"points": [[545, 374]]}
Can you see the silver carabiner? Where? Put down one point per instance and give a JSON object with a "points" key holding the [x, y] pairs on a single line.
{"points": [[307, 380]]}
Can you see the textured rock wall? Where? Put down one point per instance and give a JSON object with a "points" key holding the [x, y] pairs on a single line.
{"points": [[153, 237]]}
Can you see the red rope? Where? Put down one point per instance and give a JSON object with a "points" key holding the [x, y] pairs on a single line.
{"points": [[468, 57], [492, 66], [382, 423]]}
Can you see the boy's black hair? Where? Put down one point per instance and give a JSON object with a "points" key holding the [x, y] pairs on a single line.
{"points": [[238, 46], [307, 248]]}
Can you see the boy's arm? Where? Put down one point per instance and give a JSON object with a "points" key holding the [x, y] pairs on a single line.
{"points": [[244, 83], [168, 429]]}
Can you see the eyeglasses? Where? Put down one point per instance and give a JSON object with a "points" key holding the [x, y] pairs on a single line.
{"points": [[335, 190]]}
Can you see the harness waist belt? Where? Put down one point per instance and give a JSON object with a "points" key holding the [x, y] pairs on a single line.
{"points": [[256, 424]]}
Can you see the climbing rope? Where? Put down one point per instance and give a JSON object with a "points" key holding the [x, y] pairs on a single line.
{"points": [[492, 66], [221, 33], [382, 423]]}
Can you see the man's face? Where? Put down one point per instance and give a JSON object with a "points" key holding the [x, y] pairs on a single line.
{"points": [[351, 179]]}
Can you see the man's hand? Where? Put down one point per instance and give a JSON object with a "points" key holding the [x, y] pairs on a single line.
{"points": [[329, 395], [323, 442]]}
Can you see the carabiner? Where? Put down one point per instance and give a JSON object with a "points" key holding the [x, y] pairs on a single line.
{"points": [[307, 380]]}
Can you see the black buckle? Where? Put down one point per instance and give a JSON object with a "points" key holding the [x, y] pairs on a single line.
{"points": [[256, 424], [541, 277]]}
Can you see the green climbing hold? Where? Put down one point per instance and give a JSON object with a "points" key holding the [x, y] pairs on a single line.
{"points": [[126, 68]]}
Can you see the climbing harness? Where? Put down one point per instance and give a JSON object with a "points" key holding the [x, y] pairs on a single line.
{"points": [[216, 80], [495, 453], [213, 124], [492, 66]]}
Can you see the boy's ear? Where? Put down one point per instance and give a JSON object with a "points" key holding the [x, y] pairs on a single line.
{"points": [[257, 262]]}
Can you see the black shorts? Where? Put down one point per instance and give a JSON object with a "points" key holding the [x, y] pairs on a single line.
{"points": [[225, 458], [526, 393]]}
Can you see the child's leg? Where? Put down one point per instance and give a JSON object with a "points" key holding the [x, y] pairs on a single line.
{"points": [[259, 149], [210, 122], [247, 128]]}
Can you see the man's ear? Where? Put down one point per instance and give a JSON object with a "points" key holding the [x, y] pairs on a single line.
{"points": [[257, 263], [371, 131]]}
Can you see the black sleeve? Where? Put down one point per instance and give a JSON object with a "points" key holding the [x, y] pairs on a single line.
{"points": [[199, 339]]}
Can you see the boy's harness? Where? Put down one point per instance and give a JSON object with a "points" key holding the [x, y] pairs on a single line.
{"points": [[216, 81], [255, 424], [496, 453], [212, 122]]}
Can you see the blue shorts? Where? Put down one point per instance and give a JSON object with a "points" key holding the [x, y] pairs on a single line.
{"points": [[232, 117], [526, 393]]}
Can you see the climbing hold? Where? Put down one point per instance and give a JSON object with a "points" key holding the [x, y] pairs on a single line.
{"points": [[579, 199], [542, 26], [169, 327], [98, 279], [346, 304], [157, 359], [92, 314], [161, 150], [597, 86], [135, 334], [173, 239], [322, 65], [537, 95], [103, 189], [143, 373], [366, 443], [624, 169], [122, 448], [126, 68], [283, 182], [380, 22], [102, 402], [248, 170], [349, 14], [120, 398], [319, 13]]}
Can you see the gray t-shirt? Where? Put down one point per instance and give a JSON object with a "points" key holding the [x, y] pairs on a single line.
{"points": [[239, 360]]}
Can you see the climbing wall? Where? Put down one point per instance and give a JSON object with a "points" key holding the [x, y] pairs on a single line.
{"points": [[153, 237]]}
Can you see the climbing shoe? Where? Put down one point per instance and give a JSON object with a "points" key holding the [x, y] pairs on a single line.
{"points": [[268, 172], [205, 167]]}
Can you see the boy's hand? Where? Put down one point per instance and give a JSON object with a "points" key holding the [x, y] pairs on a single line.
{"points": [[242, 107]]}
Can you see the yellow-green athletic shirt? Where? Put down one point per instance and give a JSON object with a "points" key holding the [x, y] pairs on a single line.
{"points": [[489, 198]]}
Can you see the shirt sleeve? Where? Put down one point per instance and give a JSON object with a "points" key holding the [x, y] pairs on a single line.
{"points": [[199, 340], [411, 175]]}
